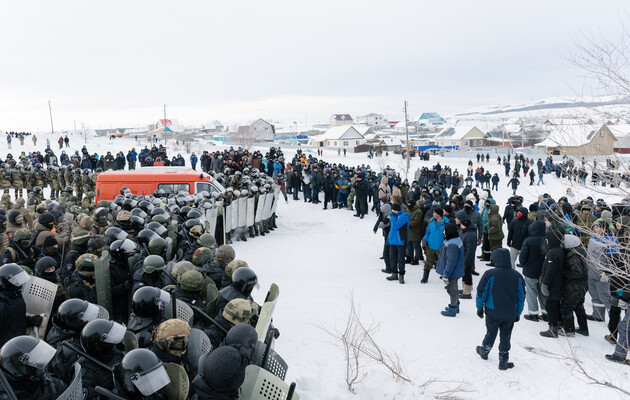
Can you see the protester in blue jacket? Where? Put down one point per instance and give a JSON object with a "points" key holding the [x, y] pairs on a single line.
{"points": [[451, 266], [343, 185], [397, 238], [193, 161], [501, 293], [433, 240]]}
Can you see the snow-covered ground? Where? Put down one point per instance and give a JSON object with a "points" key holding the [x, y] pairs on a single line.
{"points": [[320, 258]]}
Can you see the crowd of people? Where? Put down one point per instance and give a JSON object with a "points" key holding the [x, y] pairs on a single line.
{"points": [[564, 248], [155, 248]]}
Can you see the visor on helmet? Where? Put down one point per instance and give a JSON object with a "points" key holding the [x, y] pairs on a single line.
{"points": [[90, 313], [152, 381], [19, 279], [116, 333], [40, 356]]}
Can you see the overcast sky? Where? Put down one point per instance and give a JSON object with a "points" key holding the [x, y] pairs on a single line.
{"points": [[115, 63]]}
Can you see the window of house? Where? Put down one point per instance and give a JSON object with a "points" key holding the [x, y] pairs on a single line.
{"points": [[335, 143], [601, 133], [565, 149], [597, 147], [345, 143], [357, 142]]}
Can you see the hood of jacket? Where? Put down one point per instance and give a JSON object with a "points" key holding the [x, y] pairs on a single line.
{"points": [[554, 238], [524, 211], [571, 241], [537, 228], [494, 209], [501, 258]]}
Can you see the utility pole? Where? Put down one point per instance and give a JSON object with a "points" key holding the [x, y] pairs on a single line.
{"points": [[164, 125], [407, 136], [52, 128]]}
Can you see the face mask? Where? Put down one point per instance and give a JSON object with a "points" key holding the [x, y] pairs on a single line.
{"points": [[519, 214], [467, 208]]}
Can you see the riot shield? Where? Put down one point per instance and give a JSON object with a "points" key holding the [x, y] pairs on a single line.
{"points": [[259, 208], [39, 296], [198, 344], [264, 320], [242, 212], [130, 341], [259, 381], [251, 205], [102, 312], [178, 388], [220, 226], [211, 218], [210, 295], [75, 388], [68, 217], [169, 249], [234, 215], [276, 198], [103, 282], [184, 312], [228, 218], [267, 209]]}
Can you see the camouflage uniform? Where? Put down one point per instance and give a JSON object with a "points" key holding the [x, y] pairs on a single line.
{"points": [[87, 204], [28, 218], [5, 179], [6, 201], [29, 174], [17, 177], [53, 180], [351, 195]]}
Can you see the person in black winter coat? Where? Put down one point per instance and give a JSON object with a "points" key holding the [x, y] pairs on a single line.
{"points": [[316, 184], [468, 235], [361, 192], [531, 259], [383, 223], [328, 185], [574, 287], [296, 182], [517, 233], [551, 279], [514, 182]]}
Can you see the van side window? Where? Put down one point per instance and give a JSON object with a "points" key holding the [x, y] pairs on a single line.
{"points": [[203, 186], [174, 187]]}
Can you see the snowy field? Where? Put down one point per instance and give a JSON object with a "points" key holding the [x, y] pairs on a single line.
{"points": [[320, 258]]}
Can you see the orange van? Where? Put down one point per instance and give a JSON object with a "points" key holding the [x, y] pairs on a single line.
{"points": [[149, 179]]}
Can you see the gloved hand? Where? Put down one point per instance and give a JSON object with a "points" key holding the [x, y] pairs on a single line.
{"points": [[603, 277], [480, 313], [35, 320], [544, 290], [518, 318], [423, 244]]}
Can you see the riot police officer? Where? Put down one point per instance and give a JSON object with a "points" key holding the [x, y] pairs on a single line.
{"points": [[147, 312], [244, 280], [23, 361], [100, 339], [141, 375]]}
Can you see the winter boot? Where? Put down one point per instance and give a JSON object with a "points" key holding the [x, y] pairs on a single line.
{"points": [[450, 311], [334, 205], [261, 227], [425, 276], [228, 240], [467, 292], [552, 332], [243, 238], [251, 232], [387, 271], [610, 339], [582, 331], [456, 308], [362, 215], [482, 352], [408, 259], [401, 279], [271, 224], [415, 261], [504, 365], [393, 277], [532, 317], [273, 220], [615, 358], [544, 317]]}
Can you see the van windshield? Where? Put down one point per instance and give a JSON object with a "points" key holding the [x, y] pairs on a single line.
{"points": [[174, 188]]}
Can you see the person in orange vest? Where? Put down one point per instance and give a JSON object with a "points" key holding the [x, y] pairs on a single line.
{"points": [[158, 162]]}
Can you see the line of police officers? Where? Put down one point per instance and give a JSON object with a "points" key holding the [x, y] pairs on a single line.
{"points": [[132, 255]]}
